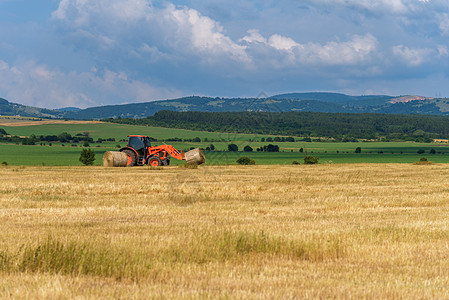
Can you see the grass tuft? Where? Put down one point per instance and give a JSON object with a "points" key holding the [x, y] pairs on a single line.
{"points": [[189, 166]]}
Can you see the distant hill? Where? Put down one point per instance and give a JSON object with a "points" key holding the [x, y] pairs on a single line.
{"points": [[342, 99], [14, 109], [299, 102], [69, 109]]}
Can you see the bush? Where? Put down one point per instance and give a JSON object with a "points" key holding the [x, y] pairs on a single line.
{"points": [[421, 151], [4, 163], [310, 160], [358, 150], [423, 161], [87, 157], [28, 142], [295, 162], [244, 160]]}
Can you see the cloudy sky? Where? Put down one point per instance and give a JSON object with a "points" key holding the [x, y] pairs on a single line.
{"points": [[58, 53]]}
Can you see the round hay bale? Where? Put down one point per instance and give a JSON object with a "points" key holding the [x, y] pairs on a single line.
{"points": [[115, 159], [195, 156]]}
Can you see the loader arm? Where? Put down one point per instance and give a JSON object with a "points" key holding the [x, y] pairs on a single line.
{"points": [[180, 155]]}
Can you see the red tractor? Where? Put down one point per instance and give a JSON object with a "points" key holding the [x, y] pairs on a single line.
{"points": [[140, 152]]}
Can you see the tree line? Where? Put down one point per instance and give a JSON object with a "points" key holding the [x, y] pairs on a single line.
{"points": [[63, 137], [339, 126]]}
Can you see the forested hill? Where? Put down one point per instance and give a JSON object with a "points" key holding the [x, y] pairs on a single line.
{"points": [[336, 125], [308, 102], [294, 102]]}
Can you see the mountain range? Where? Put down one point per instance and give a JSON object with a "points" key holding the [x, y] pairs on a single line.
{"points": [[311, 102]]}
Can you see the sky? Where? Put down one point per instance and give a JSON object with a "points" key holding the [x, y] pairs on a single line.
{"points": [[84, 53]]}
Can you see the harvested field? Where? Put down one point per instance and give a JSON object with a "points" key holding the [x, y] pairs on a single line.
{"points": [[323, 231]]}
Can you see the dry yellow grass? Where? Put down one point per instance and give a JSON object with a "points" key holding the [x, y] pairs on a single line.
{"points": [[323, 231]]}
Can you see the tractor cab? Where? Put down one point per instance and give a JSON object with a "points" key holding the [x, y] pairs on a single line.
{"points": [[139, 143]]}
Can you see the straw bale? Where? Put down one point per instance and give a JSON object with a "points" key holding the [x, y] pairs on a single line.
{"points": [[195, 156], [115, 159]]}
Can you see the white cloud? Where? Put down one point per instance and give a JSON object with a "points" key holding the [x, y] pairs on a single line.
{"points": [[378, 6], [181, 27], [38, 85], [412, 57], [204, 34], [254, 37], [279, 42], [443, 51], [359, 50], [443, 23], [83, 12]]}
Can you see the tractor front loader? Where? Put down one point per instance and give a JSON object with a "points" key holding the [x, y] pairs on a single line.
{"points": [[140, 152]]}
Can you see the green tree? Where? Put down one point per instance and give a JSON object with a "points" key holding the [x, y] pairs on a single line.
{"points": [[87, 157], [64, 137], [358, 150], [248, 149], [233, 148]]}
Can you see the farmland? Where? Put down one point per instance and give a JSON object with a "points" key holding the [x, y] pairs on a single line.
{"points": [[323, 231], [328, 152]]}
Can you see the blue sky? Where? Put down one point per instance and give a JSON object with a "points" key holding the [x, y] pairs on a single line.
{"points": [[58, 53]]}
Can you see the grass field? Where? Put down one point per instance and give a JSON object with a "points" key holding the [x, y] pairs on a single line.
{"points": [[329, 153], [120, 131], [276, 232], [57, 155]]}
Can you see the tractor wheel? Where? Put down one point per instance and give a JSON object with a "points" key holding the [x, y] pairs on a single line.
{"points": [[155, 161], [131, 158]]}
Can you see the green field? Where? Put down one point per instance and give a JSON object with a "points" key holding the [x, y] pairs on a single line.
{"points": [[119, 131], [329, 153]]}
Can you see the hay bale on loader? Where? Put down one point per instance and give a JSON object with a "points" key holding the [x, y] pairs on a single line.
{"points": [[115, 159], [195, 156]]}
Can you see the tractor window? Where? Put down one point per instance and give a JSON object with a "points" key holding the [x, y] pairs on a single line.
{"points": [[147, 142], [136, 143]]}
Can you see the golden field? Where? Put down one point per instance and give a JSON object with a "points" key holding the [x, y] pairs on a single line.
{"points": [[322, 231]]}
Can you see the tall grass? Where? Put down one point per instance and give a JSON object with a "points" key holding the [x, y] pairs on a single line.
{"points": [[90, 258]]}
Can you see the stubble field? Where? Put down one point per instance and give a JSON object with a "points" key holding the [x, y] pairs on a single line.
{"points": [[322, 231]]}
